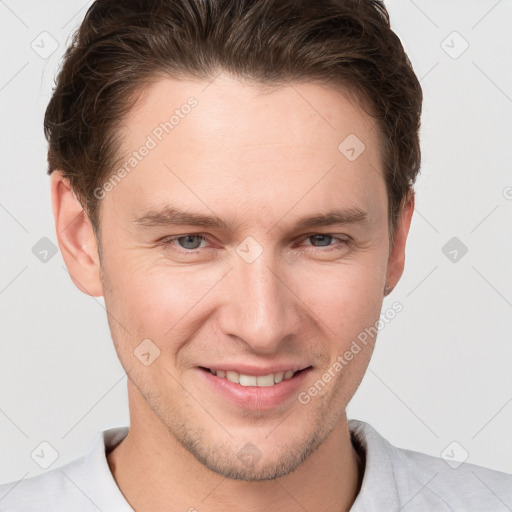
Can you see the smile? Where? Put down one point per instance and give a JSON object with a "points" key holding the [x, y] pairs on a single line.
{"points": [[260, 381]]}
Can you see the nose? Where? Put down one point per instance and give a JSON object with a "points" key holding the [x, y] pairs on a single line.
{"points": [[259, 306]]}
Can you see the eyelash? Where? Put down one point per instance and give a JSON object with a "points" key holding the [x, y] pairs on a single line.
{"points": [[169, 242]]}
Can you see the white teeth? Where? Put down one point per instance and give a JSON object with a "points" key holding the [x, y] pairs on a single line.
{"points": [[247, 380], [278, 377], [265, 380], [233, 377], [251, 380]]}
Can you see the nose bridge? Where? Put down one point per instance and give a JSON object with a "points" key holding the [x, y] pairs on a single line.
{"points": [[259, 307]]}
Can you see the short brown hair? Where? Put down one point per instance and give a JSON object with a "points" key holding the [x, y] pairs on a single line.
{"points": [[122, 46]]}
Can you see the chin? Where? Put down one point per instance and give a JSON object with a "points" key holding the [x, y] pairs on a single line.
{"points": [[238, 461]]}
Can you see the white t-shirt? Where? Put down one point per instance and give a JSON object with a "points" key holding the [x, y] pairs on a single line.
{"points": [[394, 480]]}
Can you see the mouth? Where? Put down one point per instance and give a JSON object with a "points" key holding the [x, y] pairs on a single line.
{"points": [[254, 388], [260, 381]]}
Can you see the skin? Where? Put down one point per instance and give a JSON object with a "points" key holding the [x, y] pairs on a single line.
{"points": [[260, 159]]}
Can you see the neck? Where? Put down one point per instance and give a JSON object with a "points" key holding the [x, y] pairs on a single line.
{"points": [[152, 469]]}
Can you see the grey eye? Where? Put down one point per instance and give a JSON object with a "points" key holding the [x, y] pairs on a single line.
{"points": [[324, 240], [189, 241]]}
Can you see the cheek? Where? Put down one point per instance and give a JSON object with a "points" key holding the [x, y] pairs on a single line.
{"points": [[156, 301], [346, 298], [150, 302]]}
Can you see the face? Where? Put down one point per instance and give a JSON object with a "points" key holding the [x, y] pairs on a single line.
{"points": [[244, 245]]}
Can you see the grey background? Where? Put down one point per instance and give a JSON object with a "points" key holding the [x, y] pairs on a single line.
{"points": [[441, 369]]}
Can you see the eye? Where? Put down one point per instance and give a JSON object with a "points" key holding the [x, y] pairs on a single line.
{"points": [[324, 240], [193, 242], [185, 242]]}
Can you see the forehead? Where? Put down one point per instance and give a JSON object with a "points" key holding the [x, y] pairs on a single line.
{"points": [[242, 108], [228, 139]]}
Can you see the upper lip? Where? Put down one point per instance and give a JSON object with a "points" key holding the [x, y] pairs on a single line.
{"points": [[255, 370]]}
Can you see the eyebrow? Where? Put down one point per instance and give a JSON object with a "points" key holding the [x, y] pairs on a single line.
{"points": [[173, 216]]}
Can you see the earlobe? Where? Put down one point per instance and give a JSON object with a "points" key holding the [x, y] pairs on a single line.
{"points": [[76, 237], [396, 260]]}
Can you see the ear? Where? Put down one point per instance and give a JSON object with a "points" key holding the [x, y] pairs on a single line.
{"points": [[76, 237], [396, 260]]}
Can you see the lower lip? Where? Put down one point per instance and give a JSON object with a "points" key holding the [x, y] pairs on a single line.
{"points": [[254, 397]]}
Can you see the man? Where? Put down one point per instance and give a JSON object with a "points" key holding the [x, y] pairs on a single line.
{"points": [[235, 177]]}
